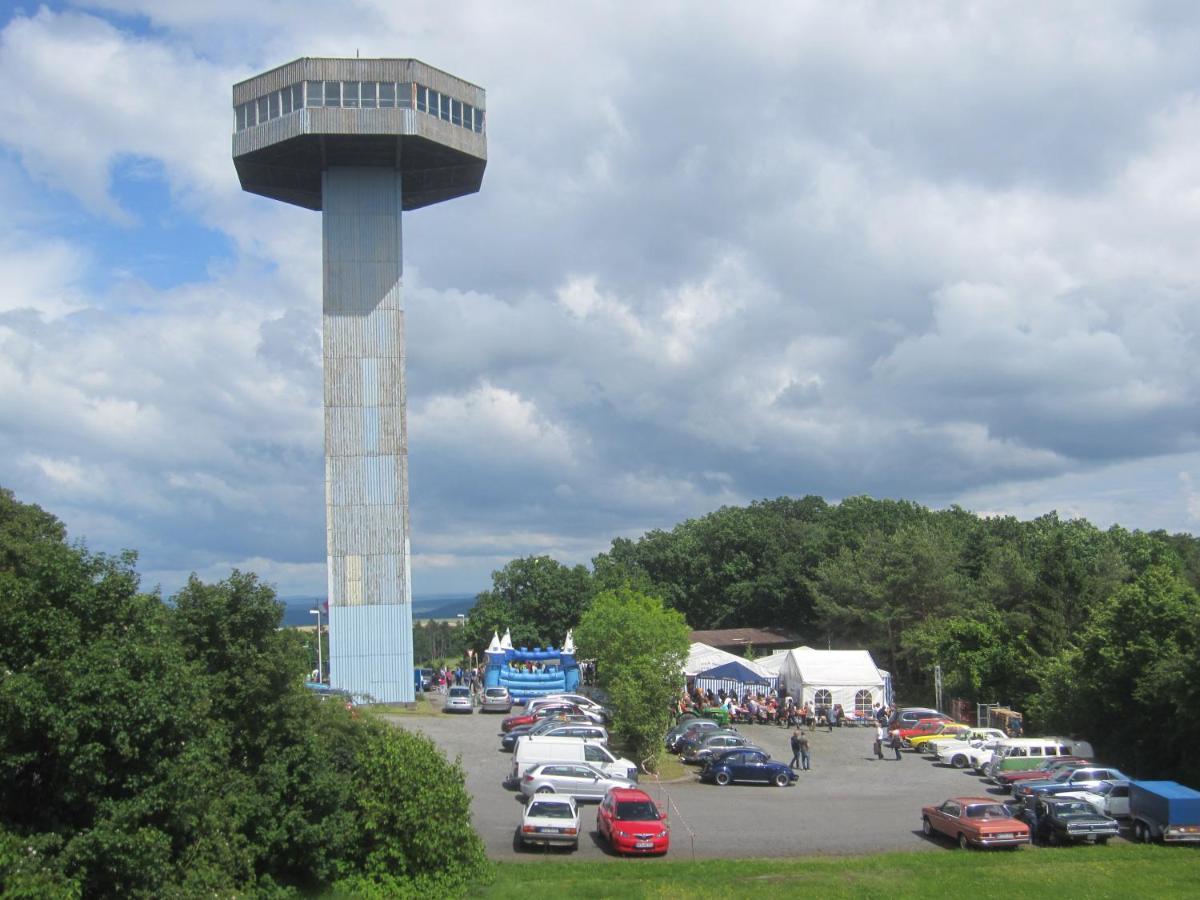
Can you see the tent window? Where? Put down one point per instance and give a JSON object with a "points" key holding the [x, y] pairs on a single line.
{"points": [[823, 698], [863, 703]]}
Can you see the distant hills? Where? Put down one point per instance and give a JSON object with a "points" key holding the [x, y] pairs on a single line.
{"points": [[425, 606]]}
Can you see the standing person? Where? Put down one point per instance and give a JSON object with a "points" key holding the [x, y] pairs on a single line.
{"points": [[795, 749], [896, 744], [804, 758], [879, 736]]}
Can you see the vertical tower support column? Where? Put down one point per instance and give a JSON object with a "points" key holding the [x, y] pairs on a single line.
{"points": [[366, 438]]}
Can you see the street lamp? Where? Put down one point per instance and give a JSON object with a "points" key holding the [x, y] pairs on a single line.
{"points": [[320, 658]]}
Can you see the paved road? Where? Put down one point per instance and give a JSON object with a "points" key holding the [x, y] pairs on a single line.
{"points": [[848, 803]]}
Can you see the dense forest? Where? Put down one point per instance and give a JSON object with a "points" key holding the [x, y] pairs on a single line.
{"points": [[1089, 632], [153, 748]]}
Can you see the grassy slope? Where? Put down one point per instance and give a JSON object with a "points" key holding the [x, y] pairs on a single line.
{"points": [[1122, 870]]}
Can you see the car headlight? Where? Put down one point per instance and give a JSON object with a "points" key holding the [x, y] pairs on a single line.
{"points": [[621, 832]]}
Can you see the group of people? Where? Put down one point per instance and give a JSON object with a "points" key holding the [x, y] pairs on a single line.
{"points": [[446, 677], [772, 708]]}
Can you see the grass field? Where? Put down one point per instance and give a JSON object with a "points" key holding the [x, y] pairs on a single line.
{"points": [[1121, 870]]}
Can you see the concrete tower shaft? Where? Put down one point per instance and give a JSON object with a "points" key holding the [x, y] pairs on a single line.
{"points": [[363, 140]]}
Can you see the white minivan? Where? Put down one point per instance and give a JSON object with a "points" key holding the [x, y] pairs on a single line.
{"points": [[534, 749]]}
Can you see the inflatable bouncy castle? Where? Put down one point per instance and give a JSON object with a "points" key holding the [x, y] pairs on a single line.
{"points": [[531, 673]]}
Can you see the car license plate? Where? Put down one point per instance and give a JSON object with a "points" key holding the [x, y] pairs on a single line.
{"points": [[550, 831], [644, 845]]}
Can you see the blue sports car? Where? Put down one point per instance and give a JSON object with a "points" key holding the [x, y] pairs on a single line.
{"points": [[746, 764]]}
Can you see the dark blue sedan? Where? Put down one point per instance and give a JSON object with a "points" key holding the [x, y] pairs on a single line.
{"points": [[747, 765]]}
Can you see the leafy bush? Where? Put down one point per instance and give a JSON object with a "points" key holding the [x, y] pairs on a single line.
{"points": [[151, 749]]}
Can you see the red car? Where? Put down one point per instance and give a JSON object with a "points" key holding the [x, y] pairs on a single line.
{"points": [[542, 712], [926, 726], [631, 823], [974, 822], [1051, 766]]}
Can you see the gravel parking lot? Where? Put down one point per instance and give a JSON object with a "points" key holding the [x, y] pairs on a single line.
{"points": [[848, 803]]}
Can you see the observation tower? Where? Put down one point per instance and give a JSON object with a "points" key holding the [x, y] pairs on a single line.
{"points": [[361, 141]]}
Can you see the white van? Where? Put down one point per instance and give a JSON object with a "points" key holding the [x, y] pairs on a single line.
{"points": [[534, 749]]}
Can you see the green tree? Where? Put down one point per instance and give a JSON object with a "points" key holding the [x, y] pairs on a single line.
{"points": [[152, 750], [640, 648], [537, 598], [417, 839]]}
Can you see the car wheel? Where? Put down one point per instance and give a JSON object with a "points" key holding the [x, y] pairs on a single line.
{"points": [[959, 762], [1139, 832], [963, 843], [721, 778], [781, 780], [926, 827], [1053, 839]]}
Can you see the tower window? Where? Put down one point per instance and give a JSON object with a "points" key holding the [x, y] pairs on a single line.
{"points": [[387, 95], [350, 93], [367, 94]]}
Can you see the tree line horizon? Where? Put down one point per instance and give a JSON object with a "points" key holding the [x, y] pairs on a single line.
{"points": [[1089, 632]]}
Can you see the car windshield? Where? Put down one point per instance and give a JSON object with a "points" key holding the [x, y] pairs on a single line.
{"points": [[549, 810], [986, 811], [496, 692], [1073, 809], [636, 811]]}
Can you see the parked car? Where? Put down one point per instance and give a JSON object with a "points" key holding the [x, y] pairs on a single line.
{"points": [[947, 731], [1084, 778], [959, 753], [911, 715], [551, 821], [496, 699], [927, 726], [1111, 798], [508, 740], [1056, 820], [459, 700], [686, 728], [630, 822], [541, 712], [578, 780], [1048, 769], [585, 703], [747, 765], [1164, 811], [974, 822], [960, 738], [533, 750], [696, 751]]}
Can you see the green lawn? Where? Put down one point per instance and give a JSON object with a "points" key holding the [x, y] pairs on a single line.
{"points": [[1120, 870]]}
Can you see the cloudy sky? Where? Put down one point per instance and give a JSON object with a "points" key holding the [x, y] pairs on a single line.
{"points": [[941, 252]]}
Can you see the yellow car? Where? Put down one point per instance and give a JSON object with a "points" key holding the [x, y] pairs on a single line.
{"points": [[948, 730]]}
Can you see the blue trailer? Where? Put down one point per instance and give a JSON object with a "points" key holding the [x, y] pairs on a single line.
{"points": [[1164, 811]]}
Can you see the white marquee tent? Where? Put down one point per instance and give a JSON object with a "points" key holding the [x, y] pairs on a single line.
{"points": [[702, 657], [773, 663], [828, 677]]}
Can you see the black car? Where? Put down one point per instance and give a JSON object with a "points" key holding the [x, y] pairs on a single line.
{"points": [[1056, 821], [508, 739]]}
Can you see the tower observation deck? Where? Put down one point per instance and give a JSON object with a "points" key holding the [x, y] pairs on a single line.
{"points": [[362, 140]]}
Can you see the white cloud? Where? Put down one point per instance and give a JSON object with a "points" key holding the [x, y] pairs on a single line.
{"points": [[946, 255]]}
